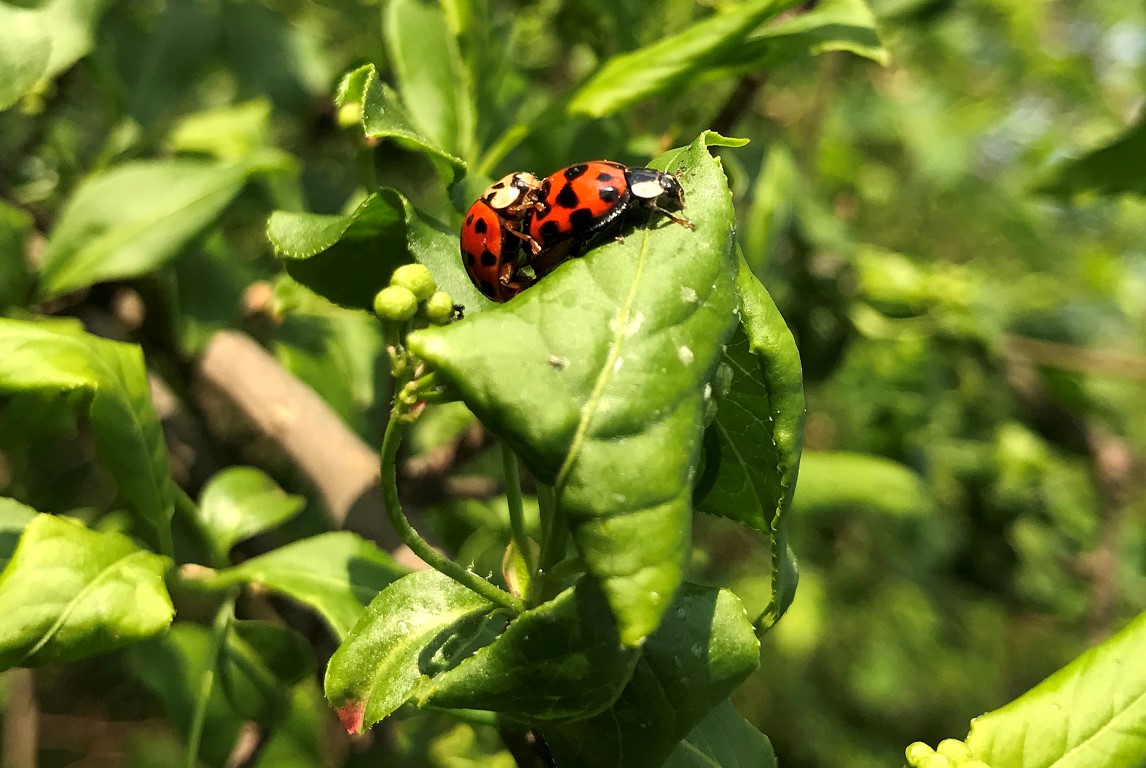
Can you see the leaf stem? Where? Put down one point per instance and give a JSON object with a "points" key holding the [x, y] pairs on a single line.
{"points": [[516, 507], [554, 541], [395, 429], [219, 631]]}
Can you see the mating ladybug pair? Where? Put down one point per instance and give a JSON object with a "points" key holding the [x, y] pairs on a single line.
{"points": [[521, 221]]}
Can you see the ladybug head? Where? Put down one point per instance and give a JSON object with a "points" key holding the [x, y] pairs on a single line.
{"points": [[509, 191], [650, 185]]}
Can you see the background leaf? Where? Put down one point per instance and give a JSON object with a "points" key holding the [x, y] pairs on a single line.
{"points": [[131, 219], [337, 574], [723, 739], [705, 649], [413, 628], [561, 660], [597, 383], [350, 258], [1110, 169], [831, 25], [14, 518], [53, 358], [428, 67], [1089, 713], [15, 226], [69, 592], [25, 49], [240, 502], [260, 662]]}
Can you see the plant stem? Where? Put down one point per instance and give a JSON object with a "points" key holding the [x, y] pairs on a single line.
{"points": [[554, 540], [219, 630], [395, 429], [516, 508]]}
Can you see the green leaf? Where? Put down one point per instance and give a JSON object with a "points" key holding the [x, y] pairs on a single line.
{"points": [[15, 226], [754, 443], [843, 480], [14, 518], [69, 592], [72, 24], [231, 132], [411, 629], [299, 740], [134, 218], [259, 664], [240, 502], [336, 574], [596, 377], [385, 119], [723, 739], [1089, 713], [25, 49], [173, 667], [561, 660], [672, 63], [52, 358], [349, 258], [1112, 169], [428, 67], [832, 25], [703, 651]]}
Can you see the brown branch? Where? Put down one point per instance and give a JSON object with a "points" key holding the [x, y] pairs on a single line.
{"points": [[1093, 362], [21, 721], [429, 479]]}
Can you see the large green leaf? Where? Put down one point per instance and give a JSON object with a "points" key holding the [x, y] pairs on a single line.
{"points": [[754, 443], [349, 258], [25, 49], [174, 668], [428, 67], [561, 660], [131, 219], [415, 627], [703, 651], [299, 740], [258, 665], [14, 518], [1111, 169], [15, 226], [723, 739], [670, 64], [832, 25], [69, 592], [844, 480], [240, 502], [55, 358], [336, 574], [1092, 712], [385, 119], [596, 376]]}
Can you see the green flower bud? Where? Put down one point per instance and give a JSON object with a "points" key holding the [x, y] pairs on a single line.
{"points": [[936, 761], [954, 750], [439, 308], [395, 303], [974, 764], [918, 752], [416, 278], [350, 114]]}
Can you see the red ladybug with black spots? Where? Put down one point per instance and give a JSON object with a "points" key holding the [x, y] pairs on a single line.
{"points": [[493, 242], [580, 204]]}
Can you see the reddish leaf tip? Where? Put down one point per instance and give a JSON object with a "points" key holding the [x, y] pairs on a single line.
{"points": [[351, 715]]}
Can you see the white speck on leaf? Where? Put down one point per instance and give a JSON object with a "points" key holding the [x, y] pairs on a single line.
{"points": [[685, 355], [618, 363], [688, 294]]}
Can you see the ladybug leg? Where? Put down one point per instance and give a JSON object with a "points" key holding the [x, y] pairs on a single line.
{"points": [[534, 246], [676, 219]]}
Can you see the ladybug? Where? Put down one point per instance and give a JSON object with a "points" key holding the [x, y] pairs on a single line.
{"points": [[492, 236], [579, 204]]}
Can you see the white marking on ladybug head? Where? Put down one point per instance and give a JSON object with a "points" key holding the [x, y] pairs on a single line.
{"points": [[503, 193], [649, 189]]}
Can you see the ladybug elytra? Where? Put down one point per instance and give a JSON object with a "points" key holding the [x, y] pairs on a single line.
{"points": [[492, 236]]}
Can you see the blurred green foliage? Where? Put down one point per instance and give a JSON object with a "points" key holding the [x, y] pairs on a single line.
{"points": [[969, 303]]}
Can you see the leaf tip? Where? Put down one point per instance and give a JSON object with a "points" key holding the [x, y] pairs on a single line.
{"points": [[352, 714]]}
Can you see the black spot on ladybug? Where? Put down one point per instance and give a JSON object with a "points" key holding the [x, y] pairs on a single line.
{"points": [[487, 288], [480, 226], [469, 259], [550, 231], [582, 219], [469, 219], [567, 198], [488, 259], [608, 194], [573, 171], [604, 176]]}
